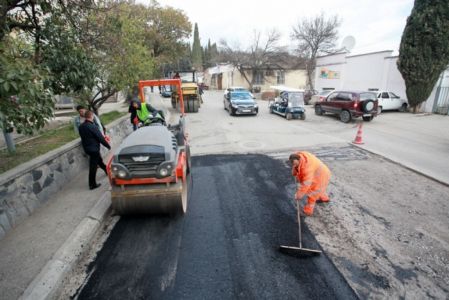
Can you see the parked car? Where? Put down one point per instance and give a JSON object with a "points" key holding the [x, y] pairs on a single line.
{"points": [[349, 105], [237, 89], [308, 94], [289, 104], [390, 101], [240, 103], [166, 91], [319, 97]]}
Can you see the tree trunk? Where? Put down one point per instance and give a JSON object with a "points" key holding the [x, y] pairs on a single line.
{"points": [[95, 104], [310, 69], [9, 142], [246, 78]]}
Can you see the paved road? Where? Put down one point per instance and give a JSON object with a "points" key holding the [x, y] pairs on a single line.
{"points": [[226, 247]]}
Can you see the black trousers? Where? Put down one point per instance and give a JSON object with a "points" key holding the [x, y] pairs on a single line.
{"points": [[94, 161]]}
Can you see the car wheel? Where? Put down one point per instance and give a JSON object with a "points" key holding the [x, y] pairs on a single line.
{"points": [[288, 116], [379, 110], [187, 105], [403, 108], [302, 116], [367, 118], [345, 116], [271, 110], [224, 105], [367, 106], [195, 105], [318, 110], [231, 113]]}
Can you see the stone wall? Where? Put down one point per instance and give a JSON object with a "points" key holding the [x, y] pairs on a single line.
{"points": [[30, 185]]}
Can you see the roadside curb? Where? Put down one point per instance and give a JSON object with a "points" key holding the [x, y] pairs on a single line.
{"points": [[48, 282], [402, 165]]}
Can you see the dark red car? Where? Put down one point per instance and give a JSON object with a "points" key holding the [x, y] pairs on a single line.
{"points": [[348, 105]]}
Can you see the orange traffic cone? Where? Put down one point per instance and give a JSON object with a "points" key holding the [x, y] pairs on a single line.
{"points": [[358, 137]]}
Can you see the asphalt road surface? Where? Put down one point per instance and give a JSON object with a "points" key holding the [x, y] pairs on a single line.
{"points": [[225, 247]]}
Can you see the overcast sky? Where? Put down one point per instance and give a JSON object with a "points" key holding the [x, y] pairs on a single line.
{"points": [[375, 24]]}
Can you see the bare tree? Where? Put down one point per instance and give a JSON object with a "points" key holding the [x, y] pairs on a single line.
{"points": [[315, 36], [261, 54]]}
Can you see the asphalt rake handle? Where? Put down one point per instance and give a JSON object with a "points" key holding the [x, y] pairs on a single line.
{"points": [[299, 250]]}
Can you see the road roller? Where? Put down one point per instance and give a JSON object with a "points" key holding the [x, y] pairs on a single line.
{"points": [[190, 92], [148, 171]]}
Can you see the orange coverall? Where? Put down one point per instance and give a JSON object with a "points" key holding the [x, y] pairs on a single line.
{"points": [[313, 177]]}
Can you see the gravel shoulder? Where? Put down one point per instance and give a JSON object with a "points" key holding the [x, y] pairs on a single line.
{"points": [[386, 229]]}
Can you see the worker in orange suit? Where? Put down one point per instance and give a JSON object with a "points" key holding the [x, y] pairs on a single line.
{"points": [[312, 176]]}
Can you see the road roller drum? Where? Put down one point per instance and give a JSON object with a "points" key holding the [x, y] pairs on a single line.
{"points": [[150, 199]]}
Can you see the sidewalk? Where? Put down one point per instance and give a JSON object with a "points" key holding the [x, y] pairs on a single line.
{"points": [[27, 248]]}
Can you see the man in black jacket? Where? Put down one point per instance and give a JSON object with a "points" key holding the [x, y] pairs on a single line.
{"points": [[91, 138]]}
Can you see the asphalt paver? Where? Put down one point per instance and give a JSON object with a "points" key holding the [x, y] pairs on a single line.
{"points": [[241, 209]]}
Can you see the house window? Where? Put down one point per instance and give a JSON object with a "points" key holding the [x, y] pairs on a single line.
{"points": [[258, 77], [269, 72], [280, 77]]}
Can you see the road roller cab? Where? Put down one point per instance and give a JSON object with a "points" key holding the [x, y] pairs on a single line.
{"points": [[150, 152], [148, 171]]}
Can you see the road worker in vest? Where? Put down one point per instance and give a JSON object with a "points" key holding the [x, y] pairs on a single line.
{"points": [[144, 111], [312, 176]]}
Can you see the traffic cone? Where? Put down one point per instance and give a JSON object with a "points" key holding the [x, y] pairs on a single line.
{"points": [[358, 137]]}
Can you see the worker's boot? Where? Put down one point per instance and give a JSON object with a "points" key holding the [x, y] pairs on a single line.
{"points": [[308, 209], [323, 198]]}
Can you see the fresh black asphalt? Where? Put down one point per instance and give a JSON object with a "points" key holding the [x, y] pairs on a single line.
{"points": [[225, 247]]}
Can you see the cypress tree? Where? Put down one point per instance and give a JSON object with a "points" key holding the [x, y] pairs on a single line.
{"points": [[207, 57], [197, 59], [424, 49]]}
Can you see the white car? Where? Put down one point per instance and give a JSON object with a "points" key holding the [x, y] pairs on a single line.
{"points": [[390, 101], [319, 97], [237, 89]]}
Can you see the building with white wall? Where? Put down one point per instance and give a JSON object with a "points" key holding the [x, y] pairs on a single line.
{"points": [[374, 72], [226, 75]]}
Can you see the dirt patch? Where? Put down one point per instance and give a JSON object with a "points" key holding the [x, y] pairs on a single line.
{"points": [[386, 227]]}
